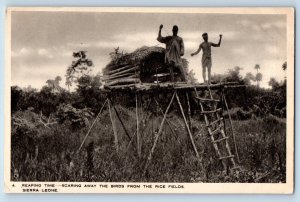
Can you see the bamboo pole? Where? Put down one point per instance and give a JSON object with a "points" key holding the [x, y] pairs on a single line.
{"points": [[109, 72], [168, 122], [159, 132], [138, 143], [233, 135], [132, 69], [187, 126], [87, 134], [126, 75], [189, 110], [118, 116], [113, 123], [189, 119], [142, 119], [124, 81]]}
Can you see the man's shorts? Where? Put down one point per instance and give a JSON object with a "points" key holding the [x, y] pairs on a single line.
{"points": [[206, 62]]}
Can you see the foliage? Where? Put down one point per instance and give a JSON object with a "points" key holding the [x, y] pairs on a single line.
{"points": [[261, 144], [48, 152], [80, 66], [284, 66], [77, 118], [54, 84]]}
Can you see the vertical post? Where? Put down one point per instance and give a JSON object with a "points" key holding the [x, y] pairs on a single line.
{"points": [[142, 119], [118, 116], [168, 122], [189, 110], [187, 126], [138, 137], [230, 121], [87, 134], [159, 132], [113, 123]]}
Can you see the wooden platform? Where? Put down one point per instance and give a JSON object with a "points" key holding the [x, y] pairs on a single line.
{"points": [[170, 86]]}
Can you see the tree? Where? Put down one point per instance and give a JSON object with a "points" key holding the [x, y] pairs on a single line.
{"points": [[273, 83], [89, 92], [233, 75], [248, 78], [81, 65], [284, 66], [258, 76], [54, 84]]}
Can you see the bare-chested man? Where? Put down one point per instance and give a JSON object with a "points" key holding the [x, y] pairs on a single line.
{"points": [[206, 56], [174, 51]]}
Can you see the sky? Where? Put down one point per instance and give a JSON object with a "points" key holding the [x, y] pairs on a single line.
{"points": [[42, 43]]}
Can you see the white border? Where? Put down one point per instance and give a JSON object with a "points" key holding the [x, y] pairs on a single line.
{"points": [[278, 188]]}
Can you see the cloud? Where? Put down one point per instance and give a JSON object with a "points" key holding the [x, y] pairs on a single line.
{"points": [[36, 56], [280, 24], [273, 50], [129, 42], [239, 51], [266, 25], [24, 51], [45, 53], [245, 22], [21, 52], [213, 35]]}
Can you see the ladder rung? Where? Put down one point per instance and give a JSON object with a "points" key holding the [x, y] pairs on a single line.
{"points": [[226, 157], [219, 140], [214, 122], [210, 112], [207, 100], [216, 130]]}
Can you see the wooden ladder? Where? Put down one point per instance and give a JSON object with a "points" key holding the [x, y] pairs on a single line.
{"points": [[215, 124]]}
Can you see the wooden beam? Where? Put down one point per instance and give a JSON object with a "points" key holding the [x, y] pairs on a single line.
{"points": [[138, 137], [118, 116], [90, 129], [168, 122], [124, 81], [107, 78], [230, 121], [167, 86], [159, 132], [109, 72], [140, 121], [189, 110], [187, 126], [132, 69], [113, 123]]}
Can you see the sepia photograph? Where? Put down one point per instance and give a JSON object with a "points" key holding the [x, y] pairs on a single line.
{"points": [[149, 100]]}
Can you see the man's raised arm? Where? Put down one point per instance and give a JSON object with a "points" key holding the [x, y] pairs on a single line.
{"points": [[160, 38], [217, 45], [199, 49]]}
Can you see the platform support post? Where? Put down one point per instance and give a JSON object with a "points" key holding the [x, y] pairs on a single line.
{"points": [[158, 133], [187, 126], [114, 127]]}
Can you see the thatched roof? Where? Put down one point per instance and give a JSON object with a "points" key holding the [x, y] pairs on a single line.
{"points": [[140, 64], [140, 54]]}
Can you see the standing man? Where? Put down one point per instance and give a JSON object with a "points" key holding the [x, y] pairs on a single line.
{"points": [[174, 51], [206, 56]]}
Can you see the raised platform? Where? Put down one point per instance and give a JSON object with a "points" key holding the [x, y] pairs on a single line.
{"points": [[167, 86]]}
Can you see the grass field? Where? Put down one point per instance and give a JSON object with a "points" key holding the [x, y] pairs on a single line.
{"points": [[49, 154]]}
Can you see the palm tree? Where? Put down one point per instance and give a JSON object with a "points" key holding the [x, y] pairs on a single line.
{"points": [[284, 66], [258, 75]]}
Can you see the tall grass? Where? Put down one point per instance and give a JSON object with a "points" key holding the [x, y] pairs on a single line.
{"points": [[261, 147]]}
